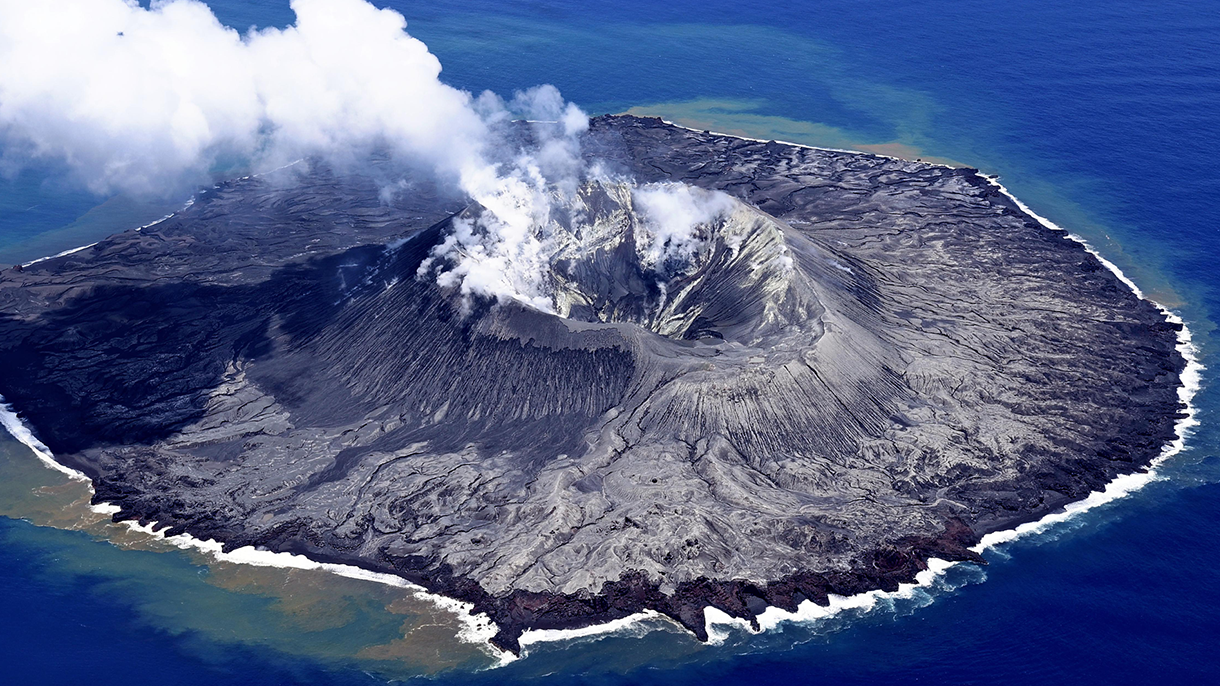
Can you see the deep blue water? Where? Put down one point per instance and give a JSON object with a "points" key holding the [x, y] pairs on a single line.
{"points": [[1103, 116]]}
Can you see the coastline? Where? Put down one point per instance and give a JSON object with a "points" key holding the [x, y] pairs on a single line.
{"points": [[73, 251], [828, 149], [771, 617], [477, 628], [739, 117]]}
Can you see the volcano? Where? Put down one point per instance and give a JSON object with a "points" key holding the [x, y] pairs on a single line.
{"points": [[849, 365]]}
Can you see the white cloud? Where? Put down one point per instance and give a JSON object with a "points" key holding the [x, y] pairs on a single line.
{"points": [[504, 252], [675, 214], [133, 98]]}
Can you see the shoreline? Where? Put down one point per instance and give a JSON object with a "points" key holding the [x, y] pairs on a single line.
{"points": [[73, 251], [186, 205], [828, 149], [477, 628], [893, 149], [480, 631]]}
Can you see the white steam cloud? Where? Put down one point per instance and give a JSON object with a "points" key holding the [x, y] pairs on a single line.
{"points": [[674, 213], [507, 248], [133, 98], [147, 100]]}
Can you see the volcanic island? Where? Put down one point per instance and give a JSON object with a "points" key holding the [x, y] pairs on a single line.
{"points": [[867, 363]]}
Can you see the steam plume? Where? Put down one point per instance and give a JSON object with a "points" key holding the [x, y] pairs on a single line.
{"points": [[133, 98], [146, 100]]}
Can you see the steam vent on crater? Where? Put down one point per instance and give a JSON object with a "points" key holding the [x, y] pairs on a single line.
{"points": [[855, 364]]}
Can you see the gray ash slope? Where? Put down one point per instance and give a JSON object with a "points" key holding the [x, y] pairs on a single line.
{"points": [[926, 364]]}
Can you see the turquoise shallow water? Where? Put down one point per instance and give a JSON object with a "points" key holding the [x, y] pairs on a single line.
{"points": [[1100, 116]]}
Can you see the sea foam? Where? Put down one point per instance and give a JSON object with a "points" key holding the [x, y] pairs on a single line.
{"points": [[476, 628], [628, 624]]}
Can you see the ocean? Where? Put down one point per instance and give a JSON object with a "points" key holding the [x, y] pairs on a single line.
{"points": [[1102, 117]]}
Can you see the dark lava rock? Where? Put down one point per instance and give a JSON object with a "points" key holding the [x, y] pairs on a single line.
{"points": [[875, 362]]}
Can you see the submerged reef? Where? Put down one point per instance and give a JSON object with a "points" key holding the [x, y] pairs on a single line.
{"points": [[856, 363]]}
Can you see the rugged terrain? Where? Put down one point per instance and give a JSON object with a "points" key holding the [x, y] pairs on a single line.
{"points": [[867, 363]]}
